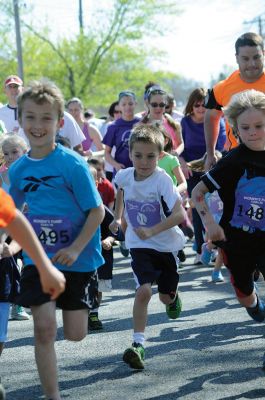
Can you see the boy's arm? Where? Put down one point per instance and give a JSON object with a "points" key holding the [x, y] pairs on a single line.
{"points": [[214, 231], [52, 280], [175, 218], [119, 206], [68, 255]]}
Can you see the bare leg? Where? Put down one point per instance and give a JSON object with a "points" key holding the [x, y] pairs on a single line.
{"points": [[45, 329], [75, 324], [142, 298]]}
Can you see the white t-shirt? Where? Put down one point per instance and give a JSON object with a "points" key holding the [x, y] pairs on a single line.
{"points": [[8, 115], [143, 207], [70, 130]]}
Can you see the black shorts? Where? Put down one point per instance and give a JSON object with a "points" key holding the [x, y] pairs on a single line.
{"points": [[151, 266], [105, 271], [75, 297], [242, 268]]}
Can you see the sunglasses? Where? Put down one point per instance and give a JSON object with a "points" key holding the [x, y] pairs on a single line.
{"points": [[198, 105], [160, 105]]}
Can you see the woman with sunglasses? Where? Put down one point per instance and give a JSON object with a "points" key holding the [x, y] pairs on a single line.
{"points": [[156, 105], [194, 148]]}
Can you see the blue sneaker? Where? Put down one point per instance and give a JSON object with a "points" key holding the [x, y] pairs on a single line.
{"points": [[206, 254], [217, 276], [257, 313]]}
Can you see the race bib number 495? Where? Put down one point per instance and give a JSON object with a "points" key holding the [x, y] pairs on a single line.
{"points": [[54, 233]]}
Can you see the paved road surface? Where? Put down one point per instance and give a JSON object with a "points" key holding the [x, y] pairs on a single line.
{"points": [[212, 352]]}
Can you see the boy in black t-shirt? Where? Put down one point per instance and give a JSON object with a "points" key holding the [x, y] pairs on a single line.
{"points": [[239, 179]]}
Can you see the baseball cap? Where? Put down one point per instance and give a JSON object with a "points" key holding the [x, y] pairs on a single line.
{"points": [[13, 79]]}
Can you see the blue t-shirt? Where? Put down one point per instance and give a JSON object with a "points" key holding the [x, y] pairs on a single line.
{"points": [[117, 136], [59, 191], [194, 140]]}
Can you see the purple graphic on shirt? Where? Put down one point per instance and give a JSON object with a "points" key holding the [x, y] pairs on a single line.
{"points": [[143, 214], [54, 233]]}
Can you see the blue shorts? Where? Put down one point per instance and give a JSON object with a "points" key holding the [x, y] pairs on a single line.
{"points": [[150, 266], [4, 315]]}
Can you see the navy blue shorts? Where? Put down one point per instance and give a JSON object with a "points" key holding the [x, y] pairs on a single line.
{"points": [[150, 266], [75, 297]]}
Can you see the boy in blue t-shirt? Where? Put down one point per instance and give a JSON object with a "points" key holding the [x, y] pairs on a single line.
{"points": [[65, 211]]}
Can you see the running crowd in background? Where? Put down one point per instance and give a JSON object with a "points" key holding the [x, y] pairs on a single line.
{"points": [[138, 180]]}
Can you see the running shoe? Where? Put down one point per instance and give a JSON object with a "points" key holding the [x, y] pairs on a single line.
{"points": [[206, 254], [257, 313], [174, 309], [18, 313], [217, 276], [197, 259], [134, 356], [94, 324]]}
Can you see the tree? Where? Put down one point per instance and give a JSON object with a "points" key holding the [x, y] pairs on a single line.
{"points": [[105, 57]]}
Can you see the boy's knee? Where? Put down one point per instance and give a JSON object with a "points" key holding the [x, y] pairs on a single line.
{"points": [[144, 293], [45, 333]]}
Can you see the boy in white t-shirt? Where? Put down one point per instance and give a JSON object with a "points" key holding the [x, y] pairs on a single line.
{"points": [[153, 239]]}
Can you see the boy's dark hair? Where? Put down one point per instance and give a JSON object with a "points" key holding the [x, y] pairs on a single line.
{"points": [[43, 91], [96, 161], [249, 39], [146, 134]]}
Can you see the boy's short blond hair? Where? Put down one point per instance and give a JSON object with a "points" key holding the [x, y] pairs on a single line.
{"points": [[145, 133], [241, 102], [43, 91]]}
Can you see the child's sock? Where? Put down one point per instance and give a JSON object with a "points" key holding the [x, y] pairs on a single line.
{"points": [[138, 337]]}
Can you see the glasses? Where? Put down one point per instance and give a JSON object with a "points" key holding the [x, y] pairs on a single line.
{"points": [[198, 105], [160, 105], [117, 112]]}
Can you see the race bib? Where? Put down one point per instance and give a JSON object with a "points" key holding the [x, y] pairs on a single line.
{"points": [[249, 208], [249, 212], [54, 233], [143, 214]]}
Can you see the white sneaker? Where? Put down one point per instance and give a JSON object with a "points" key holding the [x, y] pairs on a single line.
{"points": [[19, 314], [197, 259]]}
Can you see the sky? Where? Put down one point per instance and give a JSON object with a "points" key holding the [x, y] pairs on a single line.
{"points": [[201, 40]]}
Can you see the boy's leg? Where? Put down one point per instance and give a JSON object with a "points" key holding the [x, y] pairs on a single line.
{"points": [[75, 324], [142, 298], [242, 270], [44, 319], [134, 355]]}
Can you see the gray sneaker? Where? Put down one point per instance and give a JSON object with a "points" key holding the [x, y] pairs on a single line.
{"points": [[19, 314]]}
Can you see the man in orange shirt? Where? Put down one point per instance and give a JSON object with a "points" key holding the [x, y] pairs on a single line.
{"points": [[250, 75]]}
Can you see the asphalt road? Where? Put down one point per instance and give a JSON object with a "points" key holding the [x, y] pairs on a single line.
{"points": [[212, 352]]}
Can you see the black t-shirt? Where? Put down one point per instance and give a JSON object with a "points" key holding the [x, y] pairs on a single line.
{"points": [[239, 178]]}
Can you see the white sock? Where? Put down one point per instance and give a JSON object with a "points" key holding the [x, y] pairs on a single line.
{"points": [[138, 337]]}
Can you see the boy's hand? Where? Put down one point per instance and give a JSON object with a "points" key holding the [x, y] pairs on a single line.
{"points": [[144, 233], [115, 225], [66, 256], [52, 282], [215, 232], [107, 243]]}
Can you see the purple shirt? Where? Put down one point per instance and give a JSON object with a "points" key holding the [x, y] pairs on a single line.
{"points": [[117, 136], [194, 140]]}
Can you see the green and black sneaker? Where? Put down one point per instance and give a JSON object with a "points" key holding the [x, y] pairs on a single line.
{"points": [[134, 356], [94, 324], [174, 309]]}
